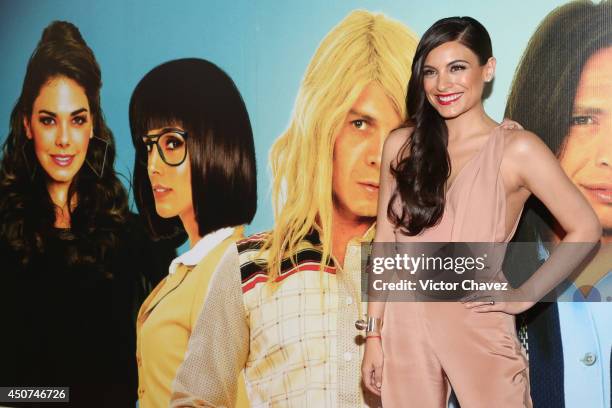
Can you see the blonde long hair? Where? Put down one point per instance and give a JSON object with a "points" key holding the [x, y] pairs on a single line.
{"points": [[363, 48]]}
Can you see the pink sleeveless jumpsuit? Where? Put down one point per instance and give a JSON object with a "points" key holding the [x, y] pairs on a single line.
{"points": [[431, 346]]}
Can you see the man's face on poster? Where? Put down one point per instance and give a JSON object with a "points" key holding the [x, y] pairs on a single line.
{"points": [[358, 150], [586, 156]]}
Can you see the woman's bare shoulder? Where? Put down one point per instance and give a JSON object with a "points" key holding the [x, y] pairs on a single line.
{"points": [[521, 145]]}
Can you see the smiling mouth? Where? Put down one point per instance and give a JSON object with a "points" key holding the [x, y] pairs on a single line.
{"points": [[160, 191], [447, 99], [62, 160], [601, 193]]}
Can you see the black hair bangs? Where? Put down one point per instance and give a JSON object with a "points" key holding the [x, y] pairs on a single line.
{"points": [[202, 99]]}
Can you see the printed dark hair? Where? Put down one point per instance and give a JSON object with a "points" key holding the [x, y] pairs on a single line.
{"points": [[543, 93], [204, 100], [421, 176], [27, 211], [542, 99]]}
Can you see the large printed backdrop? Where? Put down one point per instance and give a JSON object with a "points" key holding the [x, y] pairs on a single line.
{"points": [[265, 47]]}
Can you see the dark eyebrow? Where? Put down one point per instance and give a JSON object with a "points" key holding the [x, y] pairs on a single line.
{"points": [[456, 61], [362, 115], [171, 128], [163, 130], [449, 64], [76, 112], [587, 110]]}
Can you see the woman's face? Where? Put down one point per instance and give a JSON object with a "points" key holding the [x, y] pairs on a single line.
{"points": [[60, 128], [586, 155], [453, 78], [171, 184]]}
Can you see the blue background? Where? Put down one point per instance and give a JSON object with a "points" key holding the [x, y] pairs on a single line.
{"points": [[264, 46]]}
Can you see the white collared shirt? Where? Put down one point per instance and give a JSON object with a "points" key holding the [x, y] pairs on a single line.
{"points": [[206, 244], [586, 338]]}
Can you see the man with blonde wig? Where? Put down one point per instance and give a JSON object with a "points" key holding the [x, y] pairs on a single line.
{"points": [[282, 305]]}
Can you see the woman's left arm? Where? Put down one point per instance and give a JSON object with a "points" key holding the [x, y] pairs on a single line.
{"points": [[537, 169]]}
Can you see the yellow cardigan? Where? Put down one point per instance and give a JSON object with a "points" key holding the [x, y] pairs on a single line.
{"points": [[165, 322]]}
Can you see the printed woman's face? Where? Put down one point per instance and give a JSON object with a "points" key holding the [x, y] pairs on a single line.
{"points": [[586, 155], [60, 128], [171, 185], [453, 78]]}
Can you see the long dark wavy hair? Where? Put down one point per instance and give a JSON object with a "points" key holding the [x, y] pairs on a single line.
{"points": [[27, 213], [421, 174]]}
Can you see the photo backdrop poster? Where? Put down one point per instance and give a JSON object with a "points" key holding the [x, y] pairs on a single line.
{"points": [[264, 46]]}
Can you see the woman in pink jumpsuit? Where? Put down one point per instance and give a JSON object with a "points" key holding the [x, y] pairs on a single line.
{"points": [[456, 175]]}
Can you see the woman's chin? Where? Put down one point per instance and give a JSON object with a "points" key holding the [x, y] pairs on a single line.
{"points": [[165, 212]]}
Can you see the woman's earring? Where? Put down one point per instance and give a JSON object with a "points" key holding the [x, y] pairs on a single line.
{"points": [[98, 168], [31, 168]]}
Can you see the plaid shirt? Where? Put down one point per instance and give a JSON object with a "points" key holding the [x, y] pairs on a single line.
{"points": [[294, 337]]}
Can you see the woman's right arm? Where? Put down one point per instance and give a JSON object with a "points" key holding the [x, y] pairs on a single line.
{"points": [[385, 230], [371, 367], [219, 344]]}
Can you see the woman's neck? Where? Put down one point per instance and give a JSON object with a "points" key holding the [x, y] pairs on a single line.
{"points": [[191, 227], [472, 122], [58, 192]]}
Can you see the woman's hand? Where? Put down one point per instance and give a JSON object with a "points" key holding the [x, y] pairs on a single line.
{"points": [[512, 308], [509, 124], [511, 302], [372, 365]]}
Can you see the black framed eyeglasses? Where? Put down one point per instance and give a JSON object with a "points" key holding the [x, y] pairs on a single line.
{"points": [[171, 145]]}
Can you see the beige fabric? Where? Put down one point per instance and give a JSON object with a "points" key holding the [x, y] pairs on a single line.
{"points": [[165, 322], [218, 345], [429, 346], [295, 338]]}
